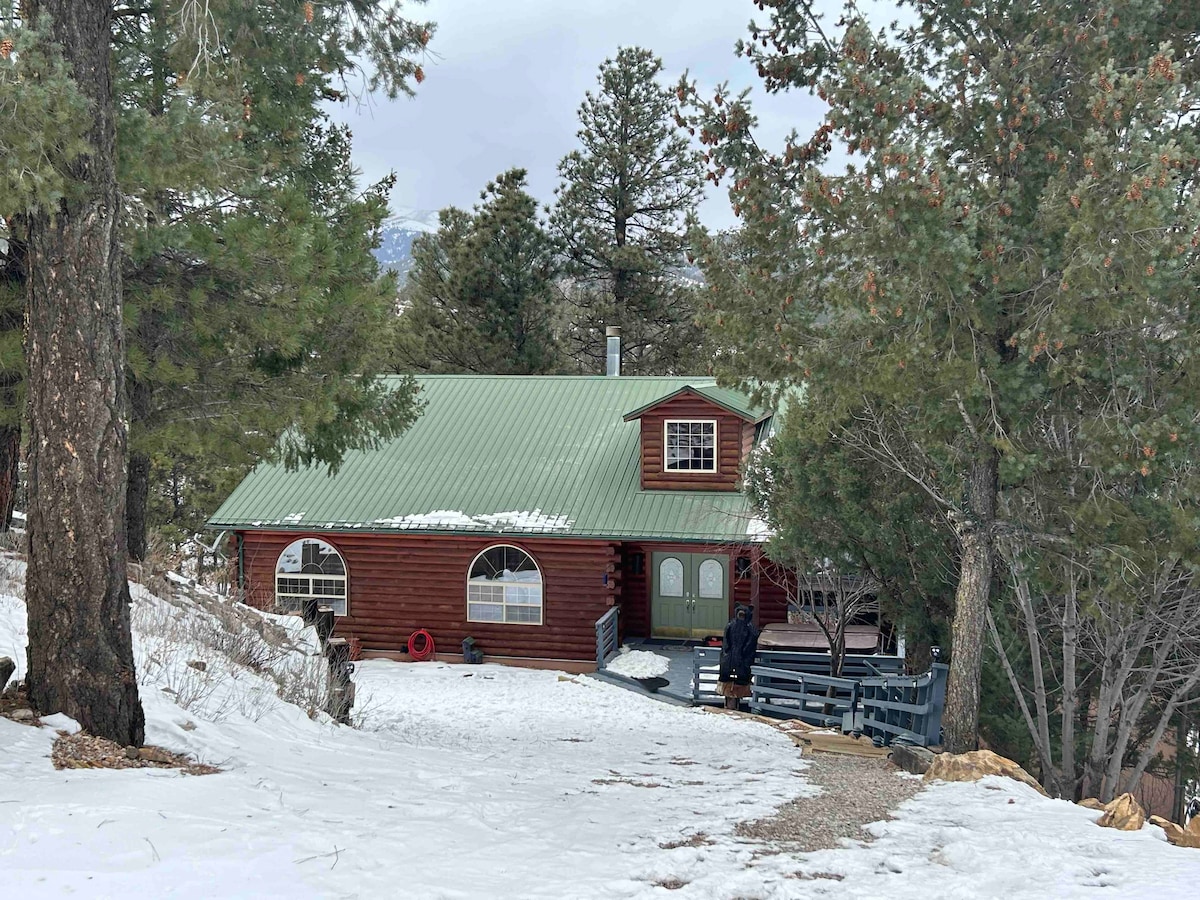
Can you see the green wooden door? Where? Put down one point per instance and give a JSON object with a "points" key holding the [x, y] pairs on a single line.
{"points": [[689, 594], [670, 604], [710, 593]]}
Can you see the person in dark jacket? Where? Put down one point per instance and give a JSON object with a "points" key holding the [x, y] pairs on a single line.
{"points": [[738, 648]]}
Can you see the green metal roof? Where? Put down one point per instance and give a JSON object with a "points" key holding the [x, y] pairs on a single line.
{"points": [[736, 403], [495, 454]]}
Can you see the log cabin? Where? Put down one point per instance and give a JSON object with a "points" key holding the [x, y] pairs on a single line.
{"points": [[518, 511]]}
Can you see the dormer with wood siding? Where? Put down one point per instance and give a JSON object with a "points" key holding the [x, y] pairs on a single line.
{"points": [[696, 438]]}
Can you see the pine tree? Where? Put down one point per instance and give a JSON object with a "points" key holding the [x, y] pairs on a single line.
{"points": [[251, 281], [94, 93], [1020, 199], [482, 294], [835, 511], [622, 204], [80, 647]]}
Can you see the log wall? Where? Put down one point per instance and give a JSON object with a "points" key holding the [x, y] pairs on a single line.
{"points": [[397, 584], [734, 437]]}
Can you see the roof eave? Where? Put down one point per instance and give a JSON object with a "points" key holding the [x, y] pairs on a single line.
{"points": [[741, 414], [464, 532]]}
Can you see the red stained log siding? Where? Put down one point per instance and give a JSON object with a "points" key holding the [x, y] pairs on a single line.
{"points": [[732, 442], [400, 583]]}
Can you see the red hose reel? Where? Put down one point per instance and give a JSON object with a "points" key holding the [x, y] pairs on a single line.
{"points": [[420, 645]]}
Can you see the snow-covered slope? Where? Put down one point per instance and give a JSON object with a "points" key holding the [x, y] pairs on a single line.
{"points": [[485, 781]]}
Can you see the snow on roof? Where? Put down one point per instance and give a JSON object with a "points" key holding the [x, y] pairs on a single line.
{"points": [[518, 520]]}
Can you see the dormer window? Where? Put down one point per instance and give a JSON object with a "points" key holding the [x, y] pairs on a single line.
{"points": [[691, 445]]}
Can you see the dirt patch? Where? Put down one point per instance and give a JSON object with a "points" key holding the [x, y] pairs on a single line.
{"points": [[699, 839], [83, 751], [671, 884], [855, 792], [628, 781]]}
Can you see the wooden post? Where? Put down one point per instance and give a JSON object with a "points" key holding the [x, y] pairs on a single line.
{"points": [[324, 623], [309, 611], [341, 688]]}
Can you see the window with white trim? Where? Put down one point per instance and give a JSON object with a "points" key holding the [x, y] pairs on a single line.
{"points": [[691, 446], [310, 569], [504, 585]]}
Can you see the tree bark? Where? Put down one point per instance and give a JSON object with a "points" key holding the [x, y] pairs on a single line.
{"points": [[960, 721], [1070, 692], [10, 472], [137, 499], [80, 647]]}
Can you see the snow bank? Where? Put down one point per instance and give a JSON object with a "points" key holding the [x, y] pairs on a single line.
{"points": [[639, 664]]}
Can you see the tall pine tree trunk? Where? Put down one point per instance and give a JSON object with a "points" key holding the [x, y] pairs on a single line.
{"points": [[137, 499], [10, 462], [80, 647], [960, 721]]}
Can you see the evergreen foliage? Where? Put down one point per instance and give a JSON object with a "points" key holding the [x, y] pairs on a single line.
{"points": [[997, 291], [622, 204], [833, 510], [256, 315], [482, 295]]}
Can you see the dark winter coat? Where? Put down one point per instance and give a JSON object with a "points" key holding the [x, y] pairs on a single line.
{"points": [[738, 647]]}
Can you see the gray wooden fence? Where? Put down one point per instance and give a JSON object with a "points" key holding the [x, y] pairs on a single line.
{"points": [[872, 697], [607, 642], [884, 708]]}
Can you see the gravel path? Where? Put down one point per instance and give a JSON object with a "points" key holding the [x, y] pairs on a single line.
{"points": [[855, 792]]}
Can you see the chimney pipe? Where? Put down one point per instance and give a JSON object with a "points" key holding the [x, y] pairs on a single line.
{"points": [[612, 337]]}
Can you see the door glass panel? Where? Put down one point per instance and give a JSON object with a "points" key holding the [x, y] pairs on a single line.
{"points": [[670, 577], [712, 579]]}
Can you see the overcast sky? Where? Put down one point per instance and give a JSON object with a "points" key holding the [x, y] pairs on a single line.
{"points": [[506, 79]]}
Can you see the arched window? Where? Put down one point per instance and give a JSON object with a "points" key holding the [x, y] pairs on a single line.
{"points": [[310, 569], [670, 577], [504, 584]]}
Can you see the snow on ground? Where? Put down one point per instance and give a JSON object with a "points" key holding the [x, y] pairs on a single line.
{"points": [[469, 781], [639, 664]]}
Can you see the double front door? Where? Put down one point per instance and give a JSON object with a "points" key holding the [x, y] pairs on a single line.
{"points": [[689, 594]]}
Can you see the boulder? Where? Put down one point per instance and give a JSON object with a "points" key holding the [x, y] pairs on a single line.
{"points": [[1176, 835], [7, 667], [1091, 803], [155, 755], [911, 758], [975, 765], [1123, 813], [1188, 836]]}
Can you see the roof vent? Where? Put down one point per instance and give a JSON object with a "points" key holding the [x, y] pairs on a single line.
{"points": [[612, 337]]}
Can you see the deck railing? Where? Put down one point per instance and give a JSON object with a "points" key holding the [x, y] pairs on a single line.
{"points": [[607, 637], [884, 708], [872, 697]]}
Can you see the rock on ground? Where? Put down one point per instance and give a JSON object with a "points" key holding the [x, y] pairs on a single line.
{"points": [[916, 760], [975, 765], [1123, 813]]}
